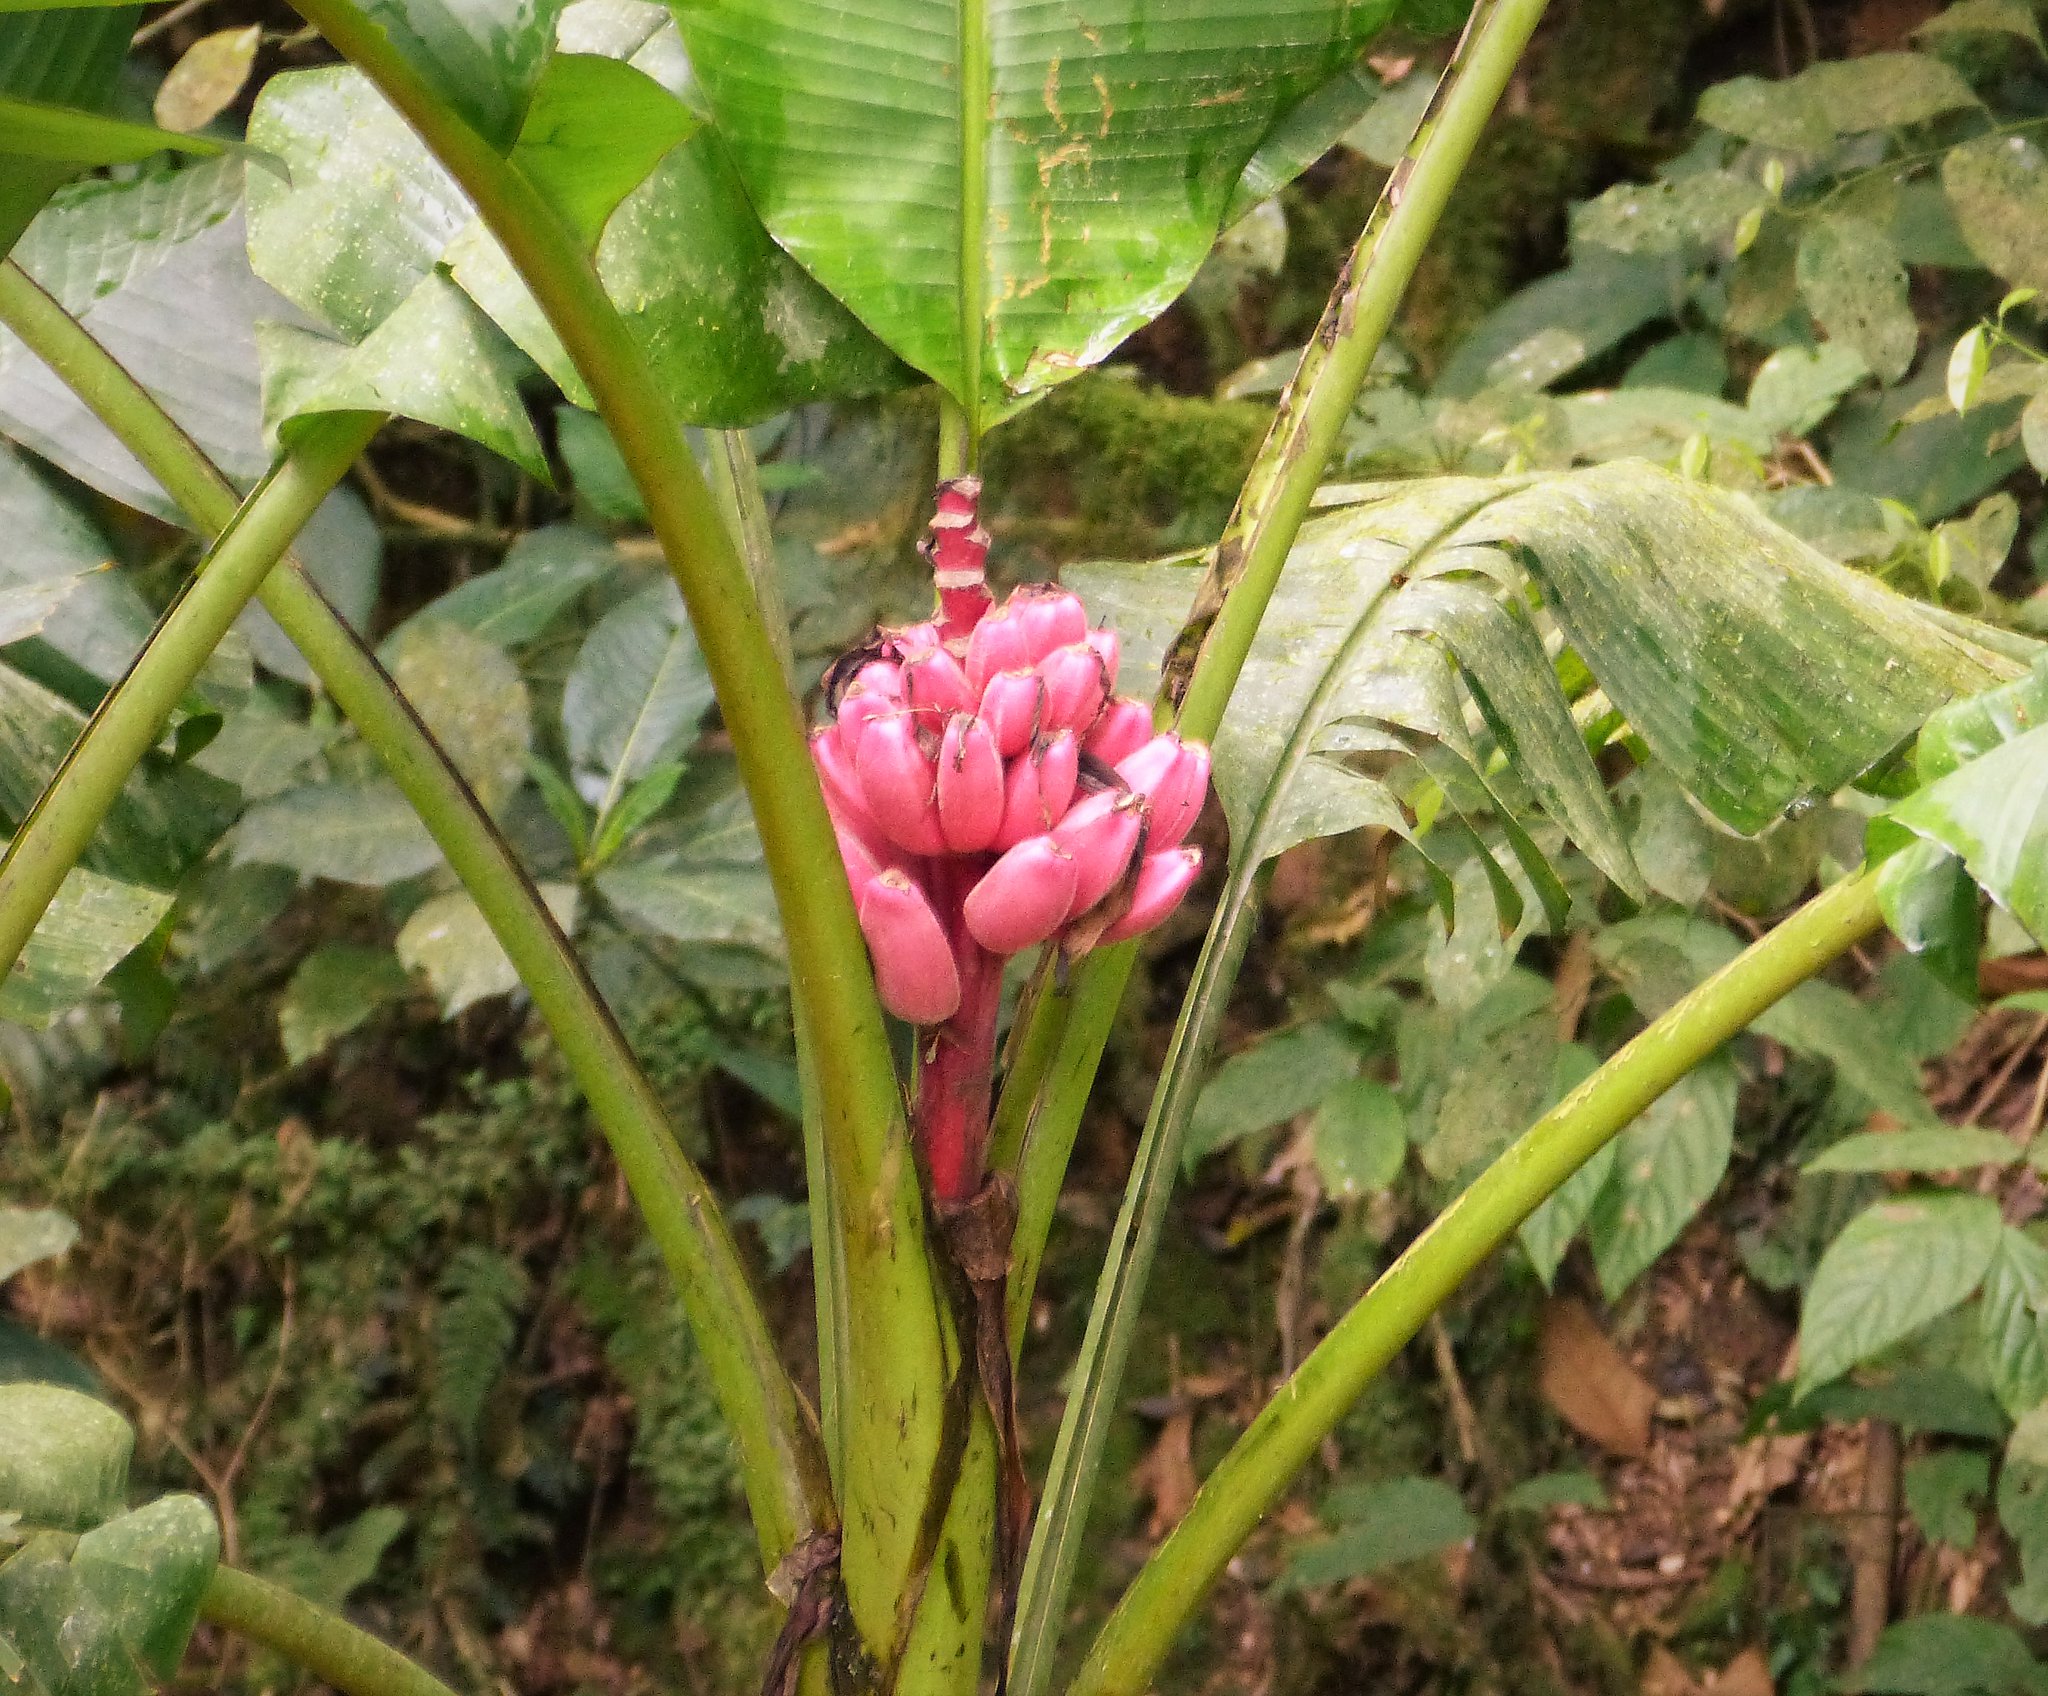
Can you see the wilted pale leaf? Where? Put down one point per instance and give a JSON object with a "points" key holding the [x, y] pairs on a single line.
{"points": [[472, 699], [30, 1234], [449, 940], [1853, 284], [204, 83], [1998, 187]]}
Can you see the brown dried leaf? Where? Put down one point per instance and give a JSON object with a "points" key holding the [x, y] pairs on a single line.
{"points": [[1594, 1390], [1749, 1674], [1167, 1474]]}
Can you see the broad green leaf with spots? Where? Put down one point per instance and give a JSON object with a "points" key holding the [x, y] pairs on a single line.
{"points": [[1004, 190]]}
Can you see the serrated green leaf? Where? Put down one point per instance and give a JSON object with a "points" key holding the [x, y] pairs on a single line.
{"points": [[2014, 1322], [482, 1293], [1383, 1524], [1667, 1166], [637, 691], [362, 833], [1947, 1148], [1079, 211], [1266, 1084], [450, 941], [1896, 1267], [333, 990], [1360, 1138], [63, 1456], [673, 898], [1854, 285]]}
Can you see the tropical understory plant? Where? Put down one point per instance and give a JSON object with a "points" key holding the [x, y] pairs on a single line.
{"points": [[701, 220]]}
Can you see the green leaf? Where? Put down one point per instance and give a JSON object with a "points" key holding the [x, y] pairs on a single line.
{"points": [[30, 1234], [1778, 114], [1997, 185], [1558, 323], [69, 56], [2014, 1322], [1947, 1655], [1549, 1490], [1984, 17], [2023, 1515], [344, 555], [637, 691], [482, 1294], [36, 129], [334, 989], [1360, 1137], [470, 695], [696, 903], [540, 577], [483, 57], [1948, 1148], [1672, 215], [597, 472], [101, 621], [1852, 282], [261, 749], [1547, 1233], [362, 833], [1026, 151], [1930, 903], [63, 1456], [1969, 729], [595, 129], [1897, 1266], [1943, 1491], [1993, 813], [1796, 389], [1668, 1165], [437, 359], [155, 268], [1275, 1079], [1492, 1097], [450, 940], [90, 928], [1885, 90], [1382, 1524]]}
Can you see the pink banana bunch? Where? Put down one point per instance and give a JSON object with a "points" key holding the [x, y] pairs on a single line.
{"points": [[995, 795], [991, 792]]}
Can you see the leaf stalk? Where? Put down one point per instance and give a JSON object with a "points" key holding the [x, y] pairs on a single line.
{"points": [[1250, 1479]]}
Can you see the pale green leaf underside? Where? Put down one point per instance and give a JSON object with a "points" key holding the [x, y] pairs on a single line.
{"points": [[1758, 671], [90, 928], [1100, 147]]}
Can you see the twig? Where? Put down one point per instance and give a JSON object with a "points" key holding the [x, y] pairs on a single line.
{"points": [[2003, 1076], [428, 520], [264, 1403], [1464, 1417], [1874, 1542], [164, 20]]}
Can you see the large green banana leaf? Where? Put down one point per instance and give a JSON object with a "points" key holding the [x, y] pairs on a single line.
{"points": [[1004, 189]]}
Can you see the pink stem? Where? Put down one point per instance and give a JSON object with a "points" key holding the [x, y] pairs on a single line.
{"points": [[950, 1116]]}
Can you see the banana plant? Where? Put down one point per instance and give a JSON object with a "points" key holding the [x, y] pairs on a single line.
{"points": [[700, 218]]}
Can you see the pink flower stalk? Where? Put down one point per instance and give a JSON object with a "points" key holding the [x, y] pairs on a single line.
{"points": [[991, 793]]}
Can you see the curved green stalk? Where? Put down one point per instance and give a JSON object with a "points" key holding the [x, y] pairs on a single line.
{"points": [[898, 1346], [1246, 564], [1258, 1468], [308, 1636], [133, 713], [780, 1458]]}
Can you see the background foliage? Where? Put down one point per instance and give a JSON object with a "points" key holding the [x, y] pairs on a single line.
{"points": [[342, 1245]]}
